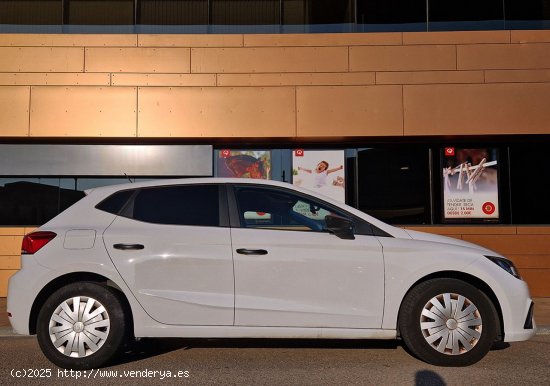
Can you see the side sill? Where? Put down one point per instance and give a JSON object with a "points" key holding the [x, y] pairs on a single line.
{"points": [[167, 331]]}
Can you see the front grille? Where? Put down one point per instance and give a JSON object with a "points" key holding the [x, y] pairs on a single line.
{"points": [[529, 320]]}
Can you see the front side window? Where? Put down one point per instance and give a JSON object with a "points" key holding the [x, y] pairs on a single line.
{"points": [[269, 208], [177, 205]]}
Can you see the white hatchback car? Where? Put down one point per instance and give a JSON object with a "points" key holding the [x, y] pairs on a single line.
{"points": [[228, 258]]}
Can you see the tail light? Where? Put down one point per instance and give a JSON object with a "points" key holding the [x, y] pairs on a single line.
{"points": [[34, 241]]}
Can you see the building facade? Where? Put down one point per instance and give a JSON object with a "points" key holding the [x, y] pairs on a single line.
{"points": [[402, 108]]}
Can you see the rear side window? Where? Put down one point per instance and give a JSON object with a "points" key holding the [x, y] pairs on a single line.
{"points": [[115, 202], [178, 205]]}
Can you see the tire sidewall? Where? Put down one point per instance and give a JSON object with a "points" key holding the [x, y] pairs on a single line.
{"points": [[117, 331], [409, 321]]}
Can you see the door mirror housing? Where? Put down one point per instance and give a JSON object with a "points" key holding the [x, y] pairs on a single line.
{"points": [[340, 226]]}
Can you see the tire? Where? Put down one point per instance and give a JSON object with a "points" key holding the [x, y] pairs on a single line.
{"points": [[448, 322], [97, 331]]}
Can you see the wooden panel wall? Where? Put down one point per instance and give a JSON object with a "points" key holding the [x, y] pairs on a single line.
{"points": [[10, 254], [527, 246], [338, 85], [286, 86]]}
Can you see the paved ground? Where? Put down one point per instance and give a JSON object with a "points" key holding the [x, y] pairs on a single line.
{"points": [[276, 362]]}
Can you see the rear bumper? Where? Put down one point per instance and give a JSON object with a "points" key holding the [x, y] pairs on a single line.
{"points": [[22, 290]]}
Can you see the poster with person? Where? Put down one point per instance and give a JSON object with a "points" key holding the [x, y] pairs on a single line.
{"points": [[470, 183], [320, 170], [244, 164]]}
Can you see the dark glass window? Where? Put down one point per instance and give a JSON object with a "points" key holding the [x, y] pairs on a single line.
{"points": [[317, 11], [391, 11], [278, 209], [173, 12], [529, 178], [99, 12], [90, 182], [527, 9], [34, 201], [178, 205], [351, 177], [41, 12], [464, 11], [115, 202], [244, 12], [393, 184]]}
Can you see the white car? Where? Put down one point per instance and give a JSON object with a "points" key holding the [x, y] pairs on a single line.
{"points": [[238, 258]]}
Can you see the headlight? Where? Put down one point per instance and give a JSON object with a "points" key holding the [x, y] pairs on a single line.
{"points": [[506, 265]]}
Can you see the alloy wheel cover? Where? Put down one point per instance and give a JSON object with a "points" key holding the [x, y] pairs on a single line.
{"points": [[451, 324], [79, 326]]}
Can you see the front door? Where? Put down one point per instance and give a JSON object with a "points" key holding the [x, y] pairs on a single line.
{"points": [[289, 271]]}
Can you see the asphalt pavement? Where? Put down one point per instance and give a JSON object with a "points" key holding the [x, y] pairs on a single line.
{"points": [[279, 362]]}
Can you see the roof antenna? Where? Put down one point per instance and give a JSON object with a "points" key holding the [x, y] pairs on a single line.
{"points": [[129, 178]]}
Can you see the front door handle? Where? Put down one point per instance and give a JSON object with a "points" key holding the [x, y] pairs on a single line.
{"points": [[128, 247], [244, 251]]}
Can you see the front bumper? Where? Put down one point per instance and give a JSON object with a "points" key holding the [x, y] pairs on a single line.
{"points": [[519, 323]]}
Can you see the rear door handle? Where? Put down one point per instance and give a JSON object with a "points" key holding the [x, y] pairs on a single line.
{"points": [[128, 247], [244, 251]]}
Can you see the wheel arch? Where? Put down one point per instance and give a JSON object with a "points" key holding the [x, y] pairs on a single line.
{"points": [[73, 277], [470, 279]]}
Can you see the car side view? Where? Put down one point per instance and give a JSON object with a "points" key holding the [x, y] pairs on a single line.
{"points": [[237, 258]]}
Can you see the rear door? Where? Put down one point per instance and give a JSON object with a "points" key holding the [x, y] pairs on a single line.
{"points": [[172, 246]]}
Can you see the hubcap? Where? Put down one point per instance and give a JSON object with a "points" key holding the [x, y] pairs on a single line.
{"points": [[451, 324], [79, 326]]}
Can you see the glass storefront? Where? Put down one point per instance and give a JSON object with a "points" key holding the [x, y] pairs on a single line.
{"points": [[269, 16], [403, 184]]}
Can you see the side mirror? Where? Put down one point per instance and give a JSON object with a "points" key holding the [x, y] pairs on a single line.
{"points": [[340, 226]]}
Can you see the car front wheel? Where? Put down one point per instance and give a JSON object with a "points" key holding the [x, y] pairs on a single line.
{"points": [[448, 322], [81, 326]]}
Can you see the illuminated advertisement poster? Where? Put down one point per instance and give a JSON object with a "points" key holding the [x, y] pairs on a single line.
{"points": [[320, 170], [470, 183], [244, 163]]}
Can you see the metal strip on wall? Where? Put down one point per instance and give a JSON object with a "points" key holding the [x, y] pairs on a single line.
{"points": [[106, 160]]}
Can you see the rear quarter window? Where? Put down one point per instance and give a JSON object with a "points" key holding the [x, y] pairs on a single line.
{"points": [[115, 202], [178, 205]]}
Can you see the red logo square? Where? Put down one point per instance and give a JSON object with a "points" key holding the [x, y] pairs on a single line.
{"points": [[449, 151], [299, 152], [225, 153]]}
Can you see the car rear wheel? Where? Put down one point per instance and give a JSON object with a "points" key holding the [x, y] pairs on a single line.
{"points": [[81, 326], [448, 322]]}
